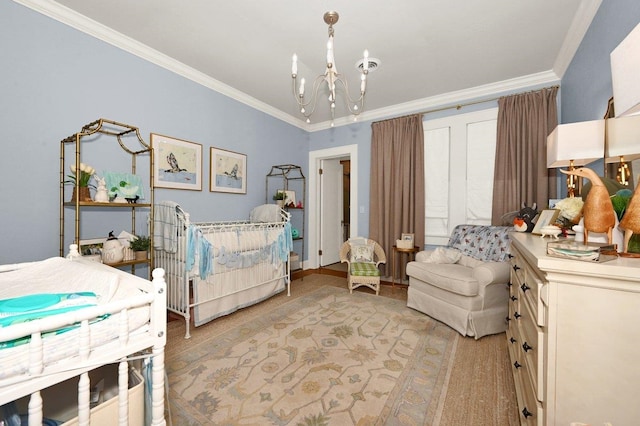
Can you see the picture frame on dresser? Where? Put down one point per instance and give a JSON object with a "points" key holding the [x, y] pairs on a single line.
{"points": [[545, 218], [177, 163], [228, 171]]}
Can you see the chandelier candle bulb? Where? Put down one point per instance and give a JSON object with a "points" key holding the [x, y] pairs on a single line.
{"points": [[294, 65], [365, 61], [301, 87]]}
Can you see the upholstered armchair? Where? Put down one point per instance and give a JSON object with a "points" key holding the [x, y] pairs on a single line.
{"points": [[464, 284], [362, 256]]}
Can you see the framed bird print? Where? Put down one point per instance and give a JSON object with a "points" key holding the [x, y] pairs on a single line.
{"points": [[228, 172], [177, 164]]}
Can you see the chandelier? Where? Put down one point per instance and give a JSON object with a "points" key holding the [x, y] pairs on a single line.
{"points": [[332, 78]]}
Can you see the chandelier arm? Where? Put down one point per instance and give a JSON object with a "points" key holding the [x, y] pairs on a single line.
{"points": [[313, 99], [349, 100]]}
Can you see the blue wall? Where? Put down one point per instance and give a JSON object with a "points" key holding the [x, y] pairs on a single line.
{"points": [[55, 79], [586, 85]]}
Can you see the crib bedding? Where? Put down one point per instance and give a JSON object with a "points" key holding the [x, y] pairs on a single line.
{"points": [[62, 276]]}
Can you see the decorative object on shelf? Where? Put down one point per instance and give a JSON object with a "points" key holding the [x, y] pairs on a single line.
{"points": [[279, 197], [228, 171], [597, 211], [332, 78], [81, 181], [523, 222], [545, 218], [112, 250], [295, 234], [102, 195], [140, 245], [126, 187], [299, 205], [290, 198], [550, 230], [177, 163]]}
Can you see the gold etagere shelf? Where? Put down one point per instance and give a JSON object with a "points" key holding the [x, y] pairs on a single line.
{"points": [[119, 131]]}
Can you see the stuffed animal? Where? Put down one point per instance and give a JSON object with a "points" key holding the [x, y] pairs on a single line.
{"points": [[523, 221]]}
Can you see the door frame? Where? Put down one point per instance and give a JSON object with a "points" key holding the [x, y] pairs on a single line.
{"points": [[315, 159]]}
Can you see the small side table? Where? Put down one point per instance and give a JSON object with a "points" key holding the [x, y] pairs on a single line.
{"points": [[401, 252]]}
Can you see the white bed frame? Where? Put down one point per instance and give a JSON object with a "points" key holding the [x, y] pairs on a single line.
{"points": [[226, 289], [150, 342]]}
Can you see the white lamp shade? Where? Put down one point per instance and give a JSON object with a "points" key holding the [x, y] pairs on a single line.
{"points": [[581, 142], [625, 75], [623, 138]]}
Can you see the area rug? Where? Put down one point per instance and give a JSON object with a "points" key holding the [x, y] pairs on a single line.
{"points": [[326, 358]]}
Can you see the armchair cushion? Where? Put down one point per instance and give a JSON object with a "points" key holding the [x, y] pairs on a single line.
{"points": [[364, 269]]}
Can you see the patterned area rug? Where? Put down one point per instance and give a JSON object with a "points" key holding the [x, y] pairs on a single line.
{"points": [[326, 358]]}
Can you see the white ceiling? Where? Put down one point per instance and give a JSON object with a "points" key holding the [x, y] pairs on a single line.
{"points": [[432, 52]]}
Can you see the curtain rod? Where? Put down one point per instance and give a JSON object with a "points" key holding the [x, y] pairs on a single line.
{"points": [[466, 104]]}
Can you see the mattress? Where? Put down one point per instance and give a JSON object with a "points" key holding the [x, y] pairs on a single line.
{"points": [[58, 275]]}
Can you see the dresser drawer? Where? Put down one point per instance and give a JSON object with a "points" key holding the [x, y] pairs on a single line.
{"points": [[528, 343], [529, 407]]}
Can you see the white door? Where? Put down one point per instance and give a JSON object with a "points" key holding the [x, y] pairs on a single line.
{"points": [[331, 211]]}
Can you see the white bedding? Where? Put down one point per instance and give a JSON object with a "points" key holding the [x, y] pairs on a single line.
{"points": [[57, 275]]}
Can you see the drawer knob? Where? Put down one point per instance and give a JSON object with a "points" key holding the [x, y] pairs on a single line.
{"points": [[512, 340], [517, 315], [526, 413], [516, 267], [510, 256], [517, 364], [509, 284], [526, 347], [513, 298], [525, 287]]}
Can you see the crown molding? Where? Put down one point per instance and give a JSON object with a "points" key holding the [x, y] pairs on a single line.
{"points": [[579, 27]]}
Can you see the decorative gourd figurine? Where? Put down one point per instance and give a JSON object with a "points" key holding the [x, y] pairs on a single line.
{"points": [[631, 220], [598, 213], [112, 250], [102, 196]]}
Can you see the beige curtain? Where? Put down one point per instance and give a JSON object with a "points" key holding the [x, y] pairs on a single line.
{"points": [[521, 174], [397, 183]]}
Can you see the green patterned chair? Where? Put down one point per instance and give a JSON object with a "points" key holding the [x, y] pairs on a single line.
{"points": [[362, 257]]}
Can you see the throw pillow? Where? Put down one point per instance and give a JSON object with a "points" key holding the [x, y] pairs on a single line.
{"points": [[444, 255], [362, 253]]}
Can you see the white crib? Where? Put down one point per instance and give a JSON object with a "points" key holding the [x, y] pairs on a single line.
{"points": [[129, 320], [236, 263]]}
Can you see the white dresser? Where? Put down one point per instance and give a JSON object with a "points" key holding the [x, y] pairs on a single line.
{"points": [[574, 337]]}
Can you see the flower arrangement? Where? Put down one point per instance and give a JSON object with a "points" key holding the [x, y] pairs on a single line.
{"points": [[81, 179], [570, 208]]}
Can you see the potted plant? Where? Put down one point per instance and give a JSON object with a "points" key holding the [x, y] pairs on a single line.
{"points": [[140, 245], [279, 197]]}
